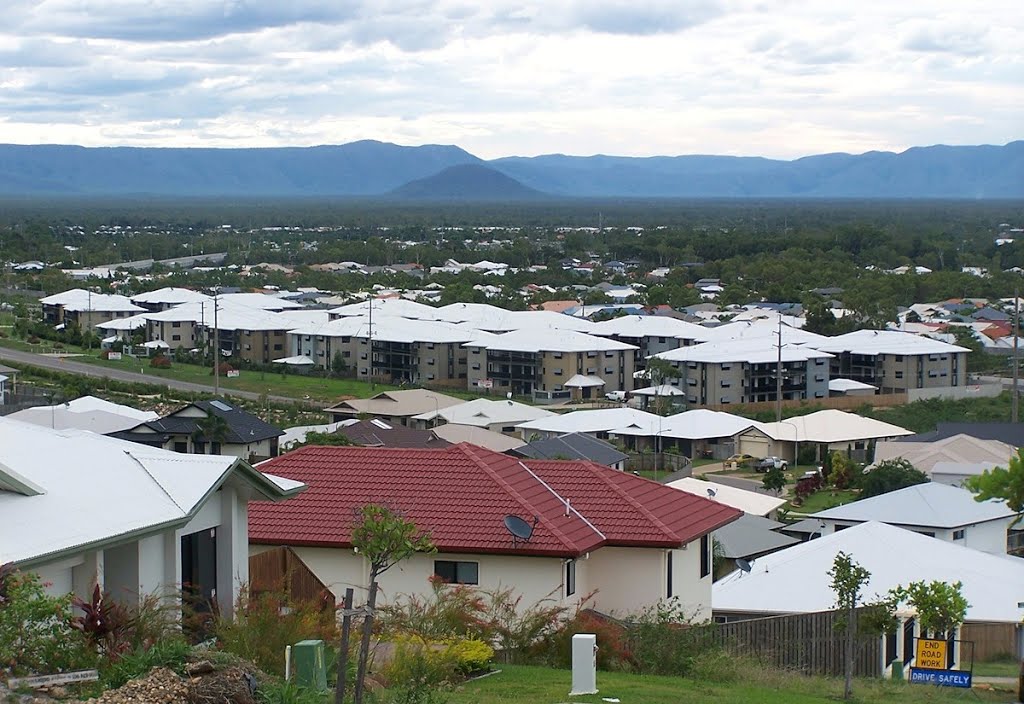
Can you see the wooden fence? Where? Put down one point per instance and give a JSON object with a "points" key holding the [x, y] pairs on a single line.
{"points": [[990, 639], [807, 643], [280, 570]]}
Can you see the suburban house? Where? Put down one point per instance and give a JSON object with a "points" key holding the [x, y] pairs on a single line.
{"points": [[574, 446], [896, 361], [537, 362], [209, 427], [393, 407], [746, 371], [795, 580], [938, 511], [86, 309], [455, 433], [698, 433], [8, 377], [629, 540], [602, 423], [375, 432], [829, 430], [750, 502], [85, 413], [499, 416], [949, 460], [162, 520], [748, 538]]}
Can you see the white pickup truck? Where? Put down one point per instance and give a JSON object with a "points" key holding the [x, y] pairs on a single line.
{"points": [[619, 396]]}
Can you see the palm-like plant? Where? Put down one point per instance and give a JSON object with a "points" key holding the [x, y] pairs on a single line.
{"points": [[212, 429]]}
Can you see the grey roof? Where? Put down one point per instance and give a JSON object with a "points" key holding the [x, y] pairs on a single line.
{"points": [[242, 426], [927, 505], [572, 446], [807, 526], [1009, 433], [752, 536]]}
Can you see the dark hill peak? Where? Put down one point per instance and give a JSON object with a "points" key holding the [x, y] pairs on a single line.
{"points": [[467, 182]]}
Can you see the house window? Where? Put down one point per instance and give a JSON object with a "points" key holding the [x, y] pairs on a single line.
{"points": [[958, 534], [175, 338], [899, 375], [457, 572], [175, 325], [705, 555], [570, 577], [668, 575], [558, 355], [183, 447]]}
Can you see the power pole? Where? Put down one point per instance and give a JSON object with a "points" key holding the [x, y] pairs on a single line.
{"points": [[216, 348], [778, 378], [1015, 399]]}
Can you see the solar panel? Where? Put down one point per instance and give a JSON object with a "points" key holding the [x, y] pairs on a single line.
{"points": [[220, 405]]}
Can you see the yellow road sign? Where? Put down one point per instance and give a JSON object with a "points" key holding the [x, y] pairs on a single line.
{"points": [[931, 654]]}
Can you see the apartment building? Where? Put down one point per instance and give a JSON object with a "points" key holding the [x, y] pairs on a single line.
{"points": [[86, 309], [537, 362], [651, 334], [896, 361], [747, 372]]}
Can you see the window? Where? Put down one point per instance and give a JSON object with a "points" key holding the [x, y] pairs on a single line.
{"points": [[705, 555], [278, 347], [570, 577], [175, 325], [175, 338], [558, 355], [958, 534], [899, 375], [457, 572], [668, 575], [661, 340], [183, 447]]}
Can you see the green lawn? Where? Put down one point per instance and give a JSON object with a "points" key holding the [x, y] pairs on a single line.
{"points": [[538, 685], [826, 498], [997, 669]]}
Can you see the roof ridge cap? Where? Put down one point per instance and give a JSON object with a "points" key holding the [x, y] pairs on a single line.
{"points": [[472, 455]]}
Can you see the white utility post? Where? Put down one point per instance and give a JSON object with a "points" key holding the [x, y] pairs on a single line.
{"points": [[584, 664]]}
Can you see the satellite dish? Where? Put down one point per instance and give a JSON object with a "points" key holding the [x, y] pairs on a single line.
{"points": [[711, 493], [520, 529], [744, 565]]}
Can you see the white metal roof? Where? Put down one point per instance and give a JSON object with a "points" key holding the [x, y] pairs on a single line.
{"points": [[133, 323], [97, 488], [830, 426], [171, 295], [747, 501], [85, 413], [761, 350], [659, 390], [928, 505], [583, 381], [875, 342], [398, 307], [297, 361], [636, 326], [844, 385], [597, 421], [795, 580], [78, 300], [754, 329], [697, 424], [548, 340], [483, 412]]}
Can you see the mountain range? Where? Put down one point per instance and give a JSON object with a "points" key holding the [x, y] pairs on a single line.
{"points": [[443, 172]]}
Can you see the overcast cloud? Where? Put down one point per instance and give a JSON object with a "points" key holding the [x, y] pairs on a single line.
{"points": [[780, 78]]}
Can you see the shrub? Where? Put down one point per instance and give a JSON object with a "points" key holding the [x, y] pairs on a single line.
{"points": [[418, 670], [519, 631], [449, 610], [471, 655], [281, 692], [807, 486], [160, 362], [170, 653], [265, 623], [613, 651], [35, 629], [663, 642]]}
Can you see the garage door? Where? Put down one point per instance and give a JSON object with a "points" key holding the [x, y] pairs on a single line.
{"points": [[756, 446]]}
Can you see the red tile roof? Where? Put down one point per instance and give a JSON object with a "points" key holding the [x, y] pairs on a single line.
{"points": [[462, 493]]}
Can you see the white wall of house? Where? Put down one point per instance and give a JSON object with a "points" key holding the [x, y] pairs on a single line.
{"points": [[989, 536], [152, 564], [622, 580]]}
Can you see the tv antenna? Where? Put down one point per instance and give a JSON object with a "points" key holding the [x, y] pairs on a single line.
{"points": [[520, 529]]}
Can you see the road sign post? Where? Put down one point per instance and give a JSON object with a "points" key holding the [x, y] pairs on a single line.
{"points": [[931, 665]]}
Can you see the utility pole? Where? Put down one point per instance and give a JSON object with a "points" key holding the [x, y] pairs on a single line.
{"points": [[778, 378], [1015, 399], [216, 348]]}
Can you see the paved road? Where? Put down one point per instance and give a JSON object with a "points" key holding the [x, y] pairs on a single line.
{"points": [[68, 365]]}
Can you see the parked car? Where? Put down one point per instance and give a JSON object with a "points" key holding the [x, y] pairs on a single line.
{"points": [[619, 396], [763, 465], [739, 460]]}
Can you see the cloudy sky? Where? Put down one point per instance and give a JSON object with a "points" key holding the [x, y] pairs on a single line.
{"points": [[780, 78]]}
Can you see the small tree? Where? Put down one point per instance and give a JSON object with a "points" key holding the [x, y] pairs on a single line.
{"points": [[879, 616], [890, 475], [338, 364], [940, 606], [1006, 483], [774, 479], [384, 538], [841, 472]]}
